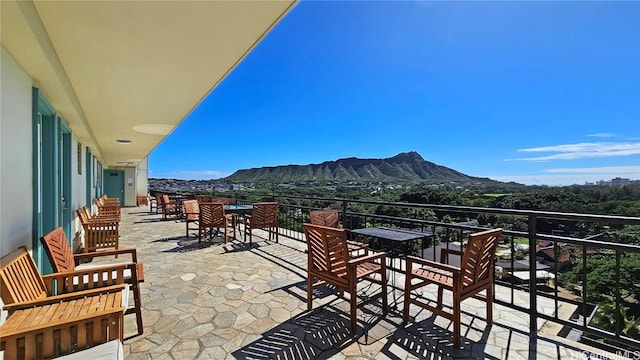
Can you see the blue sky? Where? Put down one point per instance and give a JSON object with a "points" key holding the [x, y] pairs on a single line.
{"points": [[525, 91]]}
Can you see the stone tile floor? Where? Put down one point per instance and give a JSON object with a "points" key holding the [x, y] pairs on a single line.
{"points": [[235, 301]]}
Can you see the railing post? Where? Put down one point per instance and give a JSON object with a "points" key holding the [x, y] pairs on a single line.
{"points": [[533, 301], [344, 213]]}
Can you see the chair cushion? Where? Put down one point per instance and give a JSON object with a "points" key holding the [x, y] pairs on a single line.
{"points": [[111, 350]]}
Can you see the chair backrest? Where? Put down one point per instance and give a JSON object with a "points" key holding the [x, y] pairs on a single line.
{"points": [[325, 217], [212, 215], [203, 198], [478, 257], [59, 250], [326, 249], [20, 279], [225, 201], [191, 209], [165, 200], [264, 214], [83, 215]]}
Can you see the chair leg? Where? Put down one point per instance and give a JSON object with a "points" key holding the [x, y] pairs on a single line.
{"points": [[309, 292], [138, 304], [490, 305], [456, 320], [353, 306]]}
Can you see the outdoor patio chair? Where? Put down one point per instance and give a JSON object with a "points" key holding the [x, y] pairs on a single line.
{"points": [[330, 263], [107, 208], [64, 260], [45, 320], [202, 198], [331, 218], [474, 275], [212, 216], [170, 207], [153, 203], [225, 201], [99, 233], [264, 215], [191, 213]]}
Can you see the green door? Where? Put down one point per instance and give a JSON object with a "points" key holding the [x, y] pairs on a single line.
{"points": [[51, 176], [114, 184]]}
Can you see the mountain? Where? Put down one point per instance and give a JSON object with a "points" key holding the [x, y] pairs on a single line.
{"points": [[407, 167]]}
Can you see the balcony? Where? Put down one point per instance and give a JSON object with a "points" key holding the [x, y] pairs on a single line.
{"points": [[234, 301]]}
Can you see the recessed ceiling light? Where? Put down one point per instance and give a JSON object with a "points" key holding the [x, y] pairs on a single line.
{"points": [[123, 141]]}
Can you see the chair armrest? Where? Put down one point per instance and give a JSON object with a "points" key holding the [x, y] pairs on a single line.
{"points": [[445, 252], [102, 222], [64, 297], [132, 251], [435, 264], [89, 278], [354, 262]]}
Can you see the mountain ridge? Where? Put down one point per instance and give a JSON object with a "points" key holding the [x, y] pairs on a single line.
{"points": [[406, 167]]}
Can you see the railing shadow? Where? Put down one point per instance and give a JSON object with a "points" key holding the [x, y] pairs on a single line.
{"points": [[320, 333], [427, 340]]}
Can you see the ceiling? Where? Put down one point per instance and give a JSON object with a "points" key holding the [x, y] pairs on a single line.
{"points": [[131, 70]]}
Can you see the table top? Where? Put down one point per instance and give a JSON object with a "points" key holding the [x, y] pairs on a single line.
{"points": [[393, 234], [238, 207]]}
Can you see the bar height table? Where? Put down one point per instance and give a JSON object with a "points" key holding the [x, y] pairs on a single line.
{"points": [[394, 236]]}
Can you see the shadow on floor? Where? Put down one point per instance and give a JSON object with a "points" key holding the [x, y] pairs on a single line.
{"points": [[320, 333]]}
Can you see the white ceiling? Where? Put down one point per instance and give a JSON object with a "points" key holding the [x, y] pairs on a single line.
{"points": [[131, 69]]}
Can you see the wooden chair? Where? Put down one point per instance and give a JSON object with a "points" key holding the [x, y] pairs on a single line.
{"points": [[107, 208], [212, 216], [153, 203], [225, 201], [264, 215], [191, 213], [331, 218], [64, 260], [474, 275], [202, 198], [142, 200], [170, 207], [45, 320], [99, 233], [329, 261], [98, 217]]}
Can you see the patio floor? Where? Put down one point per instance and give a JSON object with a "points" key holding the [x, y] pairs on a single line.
{"points": [[217, 301]]}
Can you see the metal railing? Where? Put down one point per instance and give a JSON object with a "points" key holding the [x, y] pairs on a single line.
{"points": [[579, 239]]}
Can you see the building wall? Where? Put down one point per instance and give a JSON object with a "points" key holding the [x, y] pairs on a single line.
{"points": [[16, 179], [16, 191], [142, 177], [130, 187]]}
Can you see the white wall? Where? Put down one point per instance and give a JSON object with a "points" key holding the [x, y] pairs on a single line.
{"points": [[142, 177], [15, 157], [130, 187], [16, 189]]}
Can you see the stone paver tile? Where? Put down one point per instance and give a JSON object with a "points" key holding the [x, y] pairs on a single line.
{"points": [[186, 349]]}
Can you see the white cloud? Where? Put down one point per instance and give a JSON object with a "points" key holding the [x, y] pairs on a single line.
{"points": [[603, 135], [189, 174], [632, 171], [582, 151], [570, 176]]}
